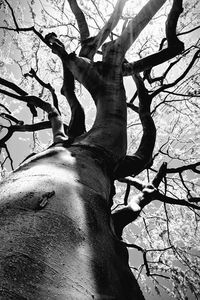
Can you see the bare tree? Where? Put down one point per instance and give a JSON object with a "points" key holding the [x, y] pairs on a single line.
{"points": [[62, 236]]}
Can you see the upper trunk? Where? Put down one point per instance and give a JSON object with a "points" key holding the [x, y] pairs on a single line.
{"points": [[55, 228]]}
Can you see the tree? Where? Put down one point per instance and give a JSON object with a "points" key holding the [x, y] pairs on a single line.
{"points": [[61, 237]]}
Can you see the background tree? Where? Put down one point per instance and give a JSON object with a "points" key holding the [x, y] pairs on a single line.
{"points": [[165, 231]]}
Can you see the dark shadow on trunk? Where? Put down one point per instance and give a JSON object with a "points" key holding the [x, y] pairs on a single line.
{"points": [[57, 240]]}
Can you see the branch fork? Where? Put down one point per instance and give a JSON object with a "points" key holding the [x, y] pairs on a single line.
{"points": [[132, 210]]}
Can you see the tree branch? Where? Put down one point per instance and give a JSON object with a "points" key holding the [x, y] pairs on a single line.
{"points": [[5, 108], [143, 156], [160, 175], [91, 45], [11, 118], [24, 128], [147, 73], [54, 116], [175, 46], [81, 68], [192, 167], [19, 91], [13, 87], [151, 60], [171, 23], [77, 121], [149, 192], [169, 85], [182, 202], [134, 28], [22, 29], [131, 211], [13, 15], [144, 252], [33, 100], [9, 156], [133, 182], [48, 86], [179, 34], [80, 18]]}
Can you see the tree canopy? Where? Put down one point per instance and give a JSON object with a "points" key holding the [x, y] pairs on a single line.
{"points": [[160, 48]]}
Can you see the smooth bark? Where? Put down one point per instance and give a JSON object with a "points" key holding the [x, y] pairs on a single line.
{"points": [[59, 238], [56, 208], [57, 242]]}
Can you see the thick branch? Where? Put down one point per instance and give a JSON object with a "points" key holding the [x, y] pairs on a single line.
{"points": [[133, 182], [175, 46], [80, 18], [72, 64], [152, 60], [53, 114], [172, 21], [13, 87], [192, 167], [149, 192], [134, 28], [33, 127], [24, 128], [140, 185], [28, 99], [147, 73], [57, 126], [143, 156], [19, 91], [77, 121], [91, 45], [160, 175], [169, 85], [111, 23], [182, 202], [81, 68], [179, 34], [48, 86], [130, 212]]}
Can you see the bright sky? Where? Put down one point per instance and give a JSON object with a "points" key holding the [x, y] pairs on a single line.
{"points": [[11, 65]]}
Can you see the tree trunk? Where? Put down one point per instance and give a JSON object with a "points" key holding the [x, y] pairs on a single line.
{"points": [[56, 238]]}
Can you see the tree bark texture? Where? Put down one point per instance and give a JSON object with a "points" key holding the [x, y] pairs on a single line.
{"points": [[56, 238], [58, 242]]}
